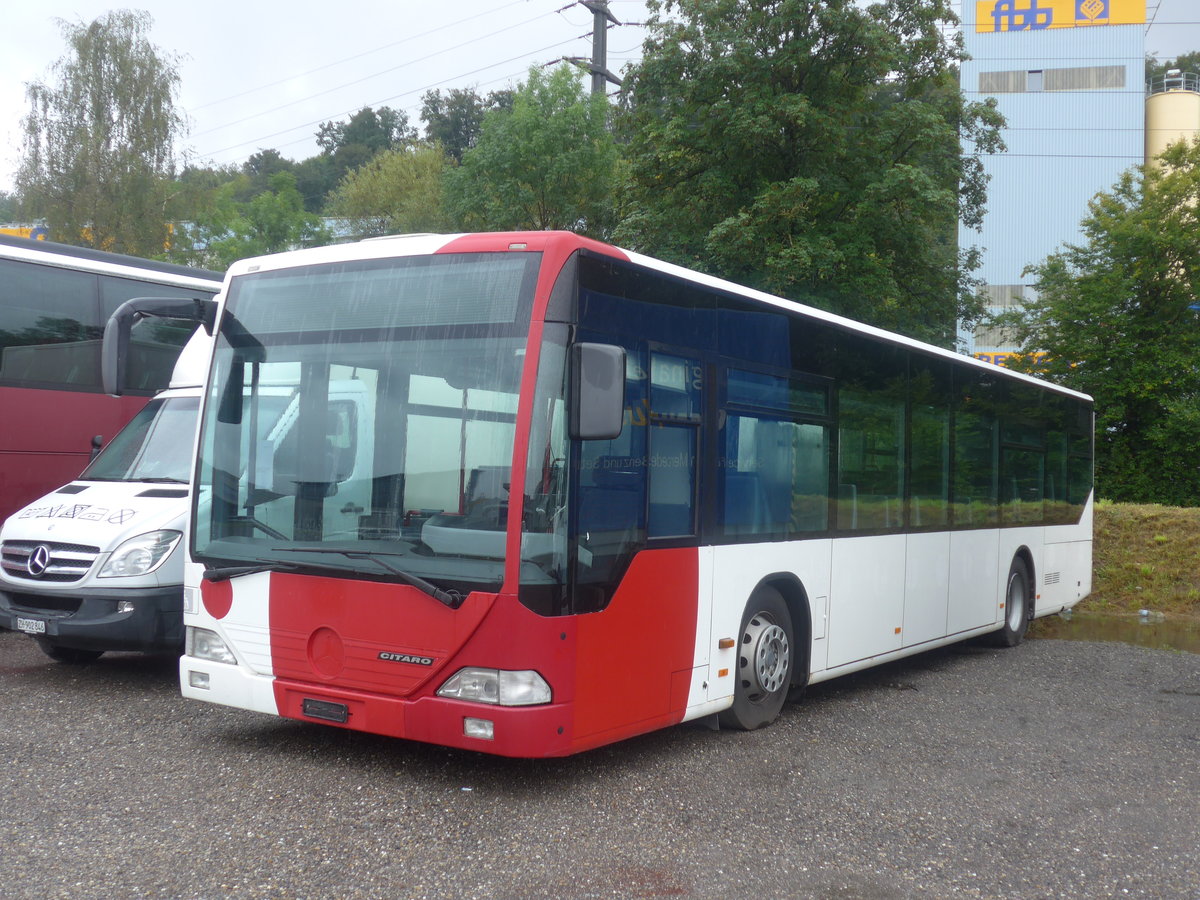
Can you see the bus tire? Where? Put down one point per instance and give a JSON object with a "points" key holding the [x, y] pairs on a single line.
{"points": [[70, 655], [765, 657], [1017, 606]]}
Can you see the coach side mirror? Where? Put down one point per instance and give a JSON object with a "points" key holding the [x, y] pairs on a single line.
{"points": [[597, 391]]}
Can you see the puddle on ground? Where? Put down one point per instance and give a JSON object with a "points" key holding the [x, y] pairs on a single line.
{"points": [[1144, 631]]}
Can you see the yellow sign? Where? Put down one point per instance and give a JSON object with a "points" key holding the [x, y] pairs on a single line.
{"points": [[1038, 15]]}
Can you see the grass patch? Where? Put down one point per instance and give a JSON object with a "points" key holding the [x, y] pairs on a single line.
{"points": [[1145, 557]]}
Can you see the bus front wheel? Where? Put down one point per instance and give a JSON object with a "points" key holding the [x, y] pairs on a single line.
{"points": [[765, 657]]}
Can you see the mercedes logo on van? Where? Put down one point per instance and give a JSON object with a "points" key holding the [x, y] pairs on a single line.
{"points": [[39, 561]]}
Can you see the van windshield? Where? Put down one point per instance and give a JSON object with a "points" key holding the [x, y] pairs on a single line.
{"points": [[155, 446]]}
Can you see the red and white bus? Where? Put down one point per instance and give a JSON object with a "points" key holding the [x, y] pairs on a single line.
{"points": [[587, 494], [54, 302]]}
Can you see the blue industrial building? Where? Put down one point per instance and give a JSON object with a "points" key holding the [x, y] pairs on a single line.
{"points": [[1068, 76]]}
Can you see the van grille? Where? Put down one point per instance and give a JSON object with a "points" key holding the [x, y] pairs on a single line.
{"points": [[68, 562]]}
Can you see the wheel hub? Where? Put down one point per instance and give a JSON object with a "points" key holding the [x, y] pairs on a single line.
{"points": [[765, 658]]}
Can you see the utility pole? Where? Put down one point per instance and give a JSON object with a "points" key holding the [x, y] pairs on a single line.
{"points": [[601, 16]]}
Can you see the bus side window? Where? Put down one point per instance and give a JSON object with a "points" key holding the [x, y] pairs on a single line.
{"points": [[675, 406], [52, 326], [774, 462], [610, 501], [872, 400]]}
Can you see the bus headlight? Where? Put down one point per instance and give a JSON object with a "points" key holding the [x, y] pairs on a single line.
{"points": [[200, 643], [497, 686], [140, 555]]}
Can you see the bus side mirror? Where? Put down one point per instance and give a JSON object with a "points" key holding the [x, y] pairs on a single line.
{"points": [[597, 391], [119, 330]]}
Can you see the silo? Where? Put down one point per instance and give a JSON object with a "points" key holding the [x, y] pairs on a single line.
{"points": [[1172, 111]]}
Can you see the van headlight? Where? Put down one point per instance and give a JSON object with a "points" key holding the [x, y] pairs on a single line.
{"points": [[497, 686], [140, 555]]}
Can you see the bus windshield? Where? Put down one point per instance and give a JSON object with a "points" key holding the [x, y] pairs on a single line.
{"points": [[155, 446], [396, 449]]}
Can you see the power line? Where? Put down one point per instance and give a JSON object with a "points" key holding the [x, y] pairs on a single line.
{"points": [[347, 59], [386, 100], [373, 75]]}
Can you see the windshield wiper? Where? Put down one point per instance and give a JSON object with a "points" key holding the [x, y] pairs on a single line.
{"points": [[452, 599], [261, 564], [161, 479], [224, 573]]}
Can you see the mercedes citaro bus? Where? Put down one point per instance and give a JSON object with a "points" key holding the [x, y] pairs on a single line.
{"points": [[591, 494]]}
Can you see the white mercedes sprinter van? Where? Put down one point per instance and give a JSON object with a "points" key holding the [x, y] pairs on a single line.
{"points": [[97, 565]]}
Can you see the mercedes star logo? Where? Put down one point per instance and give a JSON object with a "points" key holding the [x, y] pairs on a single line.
{"points": [[39, 561]]}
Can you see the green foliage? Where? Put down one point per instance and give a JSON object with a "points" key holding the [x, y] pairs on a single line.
{"points": [[548, 163], [260, 168], [98, 148], [270, 222], [355, 142], [315, 178], [456, 120], [397, 192], [8, 207], [1116, 315], [810, 148], [369, 129]]}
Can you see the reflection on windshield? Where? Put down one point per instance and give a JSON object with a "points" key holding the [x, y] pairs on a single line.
{"points": [[394, 455]]}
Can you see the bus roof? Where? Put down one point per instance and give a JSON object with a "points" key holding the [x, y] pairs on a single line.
{"points": [[422, 244], [89, 260]]}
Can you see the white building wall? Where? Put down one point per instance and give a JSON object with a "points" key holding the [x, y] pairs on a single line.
{"points": [[1064, 145]]}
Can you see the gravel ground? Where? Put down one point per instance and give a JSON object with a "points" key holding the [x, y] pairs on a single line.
{"points": [[1056, 769]]}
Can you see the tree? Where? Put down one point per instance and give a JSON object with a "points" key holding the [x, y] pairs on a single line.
{"points": [[374, 130], [1117, 317], [397, 192], [456, 120], [99, 142], [261, 167], [547, 163], [1185, 62], [811, 148], [270, 222], [8, 207], [315, 178], [368, 132]]}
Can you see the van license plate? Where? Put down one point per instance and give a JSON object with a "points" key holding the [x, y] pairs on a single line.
{"points": [[31, 626]]}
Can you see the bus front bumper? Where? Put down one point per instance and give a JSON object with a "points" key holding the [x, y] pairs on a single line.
{"points": [[527, 731]]}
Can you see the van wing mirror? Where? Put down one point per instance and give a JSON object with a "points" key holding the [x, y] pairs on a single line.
{"points": [[118, 331], [597, 391]]}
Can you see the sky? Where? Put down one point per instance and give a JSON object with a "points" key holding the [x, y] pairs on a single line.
{"points": [[258, 74]]}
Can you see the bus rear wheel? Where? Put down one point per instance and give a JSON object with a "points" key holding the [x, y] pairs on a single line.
{"points": [[765, 657], [1017, 606]]}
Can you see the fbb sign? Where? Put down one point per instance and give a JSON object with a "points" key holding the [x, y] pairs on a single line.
{"points": [[1037, 15]]}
